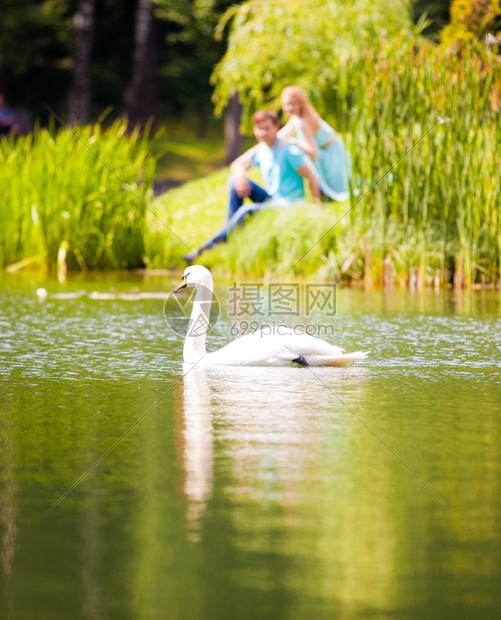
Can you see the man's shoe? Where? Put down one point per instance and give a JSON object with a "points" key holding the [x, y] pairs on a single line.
{"points": [[191, 256]]}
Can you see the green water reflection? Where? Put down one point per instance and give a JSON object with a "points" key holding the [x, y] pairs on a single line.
{"points": [[247, 493]]}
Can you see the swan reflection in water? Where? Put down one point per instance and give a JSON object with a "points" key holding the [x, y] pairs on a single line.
{"points": [[270, 422], [198, 445]]}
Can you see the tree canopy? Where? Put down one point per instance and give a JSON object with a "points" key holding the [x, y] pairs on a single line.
{"points": [[273, 43], [37, 52]]}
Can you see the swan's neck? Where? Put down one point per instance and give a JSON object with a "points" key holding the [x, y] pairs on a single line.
{"points": [[194, 344]]}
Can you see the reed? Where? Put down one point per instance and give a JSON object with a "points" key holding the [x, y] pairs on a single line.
{"points": [[443, 111], [56, 188]]}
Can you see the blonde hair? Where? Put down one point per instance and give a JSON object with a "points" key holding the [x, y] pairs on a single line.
{"points": [[302, 97]]}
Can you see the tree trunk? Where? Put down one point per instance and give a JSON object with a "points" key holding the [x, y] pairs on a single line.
{"points": [[84, 19], [203, 122], [141, 98], [2, 83], [232, 135]]}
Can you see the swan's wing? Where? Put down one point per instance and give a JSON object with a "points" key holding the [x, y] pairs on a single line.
{"points": [[278, 350], [287, 339], [303, 345], [251, 350]]}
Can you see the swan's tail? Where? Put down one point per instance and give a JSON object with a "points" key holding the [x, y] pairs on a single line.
{"points": [[335, 360]]}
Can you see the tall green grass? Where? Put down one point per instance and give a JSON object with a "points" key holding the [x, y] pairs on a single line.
{"points": [[55, 189], [439, 208]]}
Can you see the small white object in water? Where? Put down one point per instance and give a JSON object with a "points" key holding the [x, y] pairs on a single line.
{"points": [[41, 294]]}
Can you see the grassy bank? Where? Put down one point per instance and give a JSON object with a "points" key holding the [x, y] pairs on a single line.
{"points": [[268, 245]]}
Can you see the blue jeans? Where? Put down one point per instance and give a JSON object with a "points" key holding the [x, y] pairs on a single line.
{"points": [[237, 211]]}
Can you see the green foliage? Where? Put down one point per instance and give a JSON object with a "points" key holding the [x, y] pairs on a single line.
{"points": [[434, 121], [274, 43], [36, 53], [438, 206], [437, 13], [471, 20], [295, 242], [55, 190], [192, 51], [35, 50], [386, 93]]}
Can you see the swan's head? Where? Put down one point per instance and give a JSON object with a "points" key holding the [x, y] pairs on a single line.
{"points": [[193, 276]]}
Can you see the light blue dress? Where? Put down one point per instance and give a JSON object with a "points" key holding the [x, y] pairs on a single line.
{"points": [[333, 164]]}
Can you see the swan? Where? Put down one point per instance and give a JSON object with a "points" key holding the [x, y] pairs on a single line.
{"points": [[257, 349]]}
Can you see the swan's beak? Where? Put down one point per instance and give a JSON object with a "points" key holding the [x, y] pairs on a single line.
{"points": [[182, 286]]}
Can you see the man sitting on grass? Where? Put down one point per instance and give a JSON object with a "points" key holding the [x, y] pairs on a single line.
{"points": [[283, 167]]}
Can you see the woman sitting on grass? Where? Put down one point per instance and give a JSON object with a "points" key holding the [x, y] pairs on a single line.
{"points": [[319, 141]]}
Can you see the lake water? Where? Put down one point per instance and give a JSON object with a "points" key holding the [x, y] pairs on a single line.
{"points": [[367, 491]]}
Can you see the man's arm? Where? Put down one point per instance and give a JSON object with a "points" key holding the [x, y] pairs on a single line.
{"points": [[306, 172], [239, 167]]}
